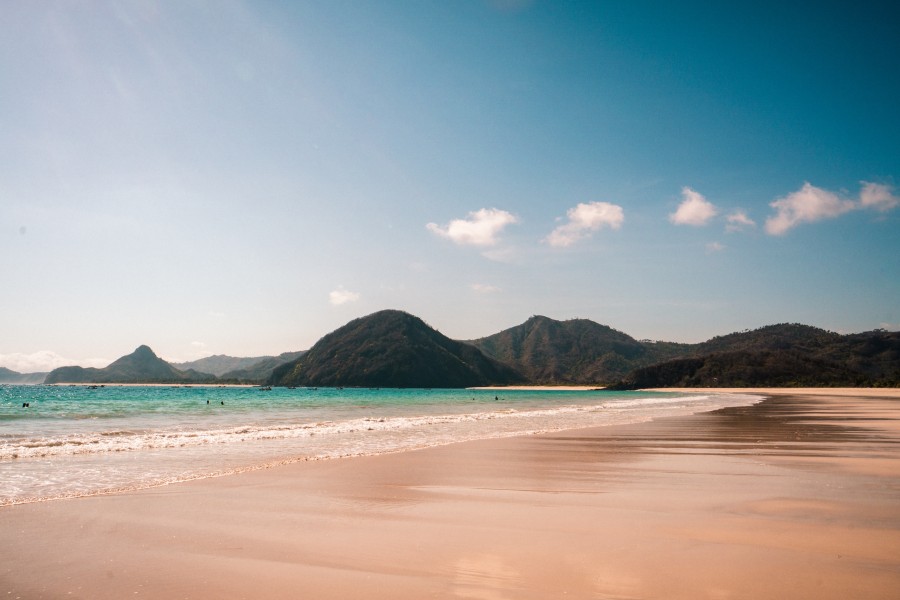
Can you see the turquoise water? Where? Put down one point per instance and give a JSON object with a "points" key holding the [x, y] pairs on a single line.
{"points": [[78, 440]]}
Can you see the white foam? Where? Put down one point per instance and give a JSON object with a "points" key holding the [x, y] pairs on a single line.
{"points": [[92, 462]]}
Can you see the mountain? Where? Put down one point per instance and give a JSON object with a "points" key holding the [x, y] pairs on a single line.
{"points": [[12, 377], [393, 349], [141, 366], [220, 364], [784, 355], [577, 351], [260, 371]]}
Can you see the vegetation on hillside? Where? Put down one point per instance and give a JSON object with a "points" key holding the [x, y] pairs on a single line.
{"points": [[577, 351], [393, 349], [141, 366], [786, 355]]}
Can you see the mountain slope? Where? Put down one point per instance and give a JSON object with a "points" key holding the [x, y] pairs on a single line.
{"points": [[13, 377], [392, 349], [141, 366], [261, 371], [779, 355], [575, 351], [239, 369]]}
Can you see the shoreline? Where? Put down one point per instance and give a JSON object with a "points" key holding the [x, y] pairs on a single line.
{"points": [[168, 385], [873, 392], [794, 496]]}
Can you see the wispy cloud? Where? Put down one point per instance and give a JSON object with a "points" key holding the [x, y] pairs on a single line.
{"points": [[584, 219], [807, 205], [45, 360], [694, 209], [481, 228], [738, 221], [342, 296], [483, 288], [878, 196], [713, 247]]}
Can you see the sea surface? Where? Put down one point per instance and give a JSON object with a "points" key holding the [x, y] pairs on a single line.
{"points": [[82, 440]]}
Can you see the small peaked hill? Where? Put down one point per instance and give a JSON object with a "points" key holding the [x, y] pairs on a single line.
{"points": [[574, 351], [14, 377], [141, 366], [392, 348]]}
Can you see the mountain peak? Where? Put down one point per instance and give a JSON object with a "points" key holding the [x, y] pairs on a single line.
{"points": [[392, 348], [144, 351], [574, 351]]}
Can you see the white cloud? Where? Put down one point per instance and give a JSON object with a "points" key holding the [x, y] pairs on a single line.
{"points": [[878, 196], [342, 296], [585, 218], [738, 221], [713, 247], [483, 288], [806, 205], [480, 229], [508, 254], [45, 360], [693, 210]]}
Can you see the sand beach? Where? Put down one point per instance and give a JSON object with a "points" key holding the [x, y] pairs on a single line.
{"points": [[795, 497]]}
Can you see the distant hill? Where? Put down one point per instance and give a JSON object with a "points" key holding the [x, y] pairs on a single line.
{"points": [[577, 351], [260, 371], [12, 377], [141, 366], [220, 364], [393, 349], [785, 355]]}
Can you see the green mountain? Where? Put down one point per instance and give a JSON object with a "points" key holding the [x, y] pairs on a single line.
{"points": [[395, 349], [577, 351], [141, 366], [392, 349], [15, 378], [785, 355]]}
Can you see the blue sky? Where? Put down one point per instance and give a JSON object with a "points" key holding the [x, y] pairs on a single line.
{"points": [[244, 177]]}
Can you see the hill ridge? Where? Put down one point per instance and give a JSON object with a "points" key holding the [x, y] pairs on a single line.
{"points": [[392, 348]]}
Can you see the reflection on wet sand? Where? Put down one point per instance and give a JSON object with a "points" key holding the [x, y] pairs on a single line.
{"points": [[795, 497]]}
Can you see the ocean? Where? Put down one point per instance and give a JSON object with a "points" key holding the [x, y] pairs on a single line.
{"points": [[74, 441]]}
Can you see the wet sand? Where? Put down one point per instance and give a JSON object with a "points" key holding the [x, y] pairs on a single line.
{"points": [[797, 497]]}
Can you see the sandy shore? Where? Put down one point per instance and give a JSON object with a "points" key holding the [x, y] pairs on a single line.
{"points": [[797, 497]]}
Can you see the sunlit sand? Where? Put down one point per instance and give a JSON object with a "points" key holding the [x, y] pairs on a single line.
{"points": [[795, 497]]}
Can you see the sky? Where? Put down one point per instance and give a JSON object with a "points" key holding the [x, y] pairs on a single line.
{"points": [[241, 178]]}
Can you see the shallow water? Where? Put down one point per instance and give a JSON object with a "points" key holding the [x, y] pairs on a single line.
{"points": [[77, 440]]}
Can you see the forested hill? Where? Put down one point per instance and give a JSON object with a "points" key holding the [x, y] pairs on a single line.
{"points": [[779, 355], [393, 349], [141, 366], [576, 351]]}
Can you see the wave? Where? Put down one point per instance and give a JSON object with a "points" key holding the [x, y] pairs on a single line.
{"points": [[132, 440]]}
